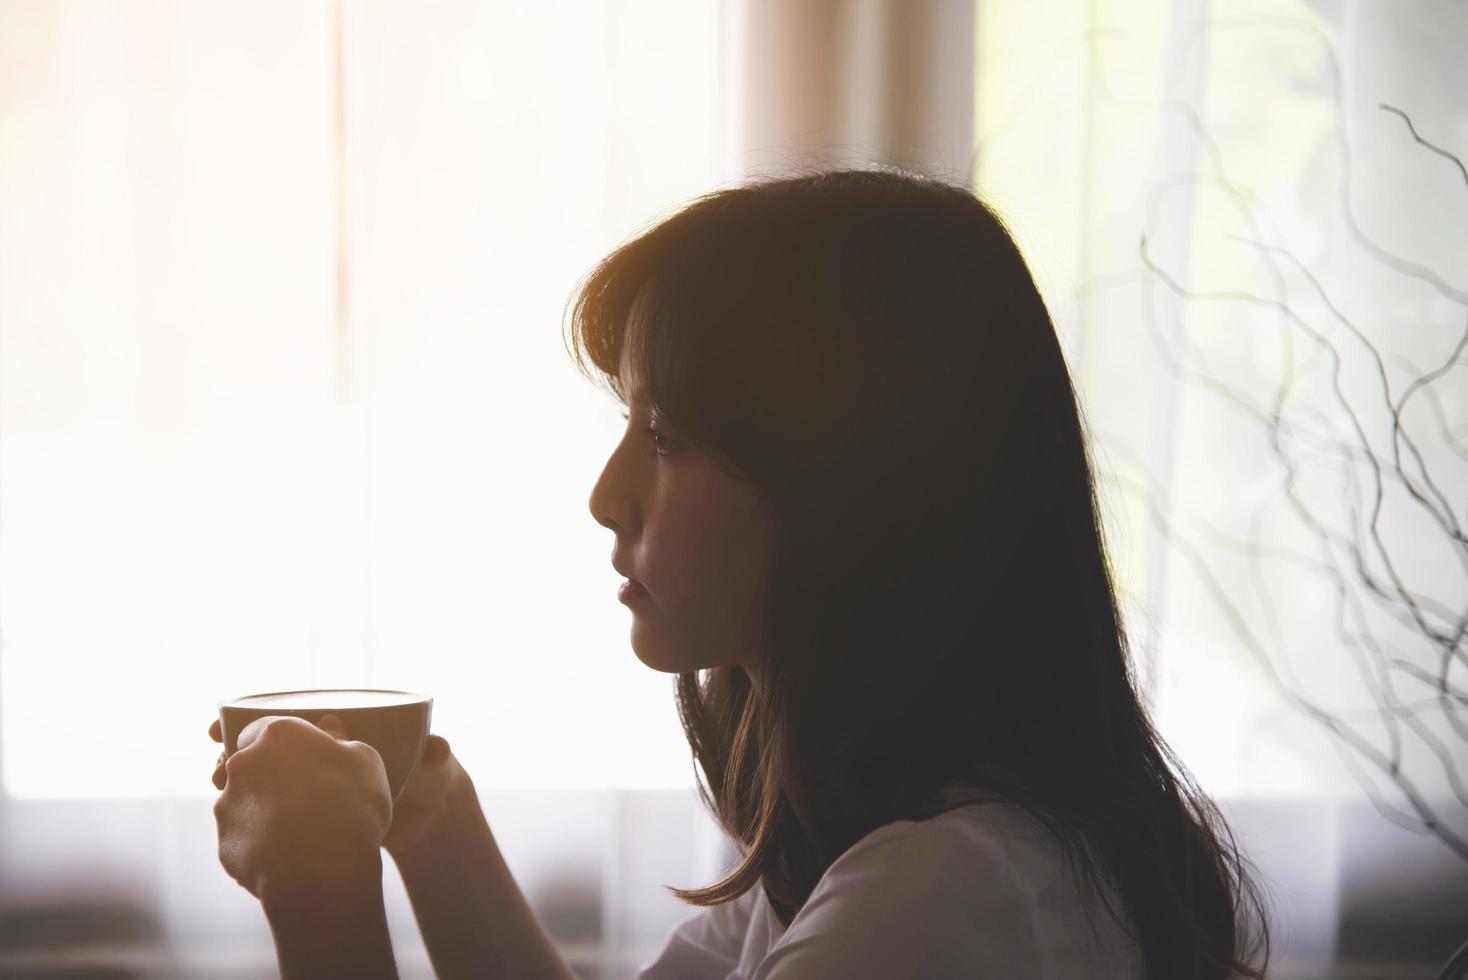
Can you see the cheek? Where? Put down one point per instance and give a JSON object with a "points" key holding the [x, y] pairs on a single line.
{"points": [[736, 550], [714, 551], [708, 561], [685, 548]]}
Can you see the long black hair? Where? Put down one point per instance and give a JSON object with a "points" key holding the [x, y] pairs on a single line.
{"points": [[870, 349]]}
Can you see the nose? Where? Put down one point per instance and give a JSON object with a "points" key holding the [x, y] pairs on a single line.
{"points": [[613, 503]]}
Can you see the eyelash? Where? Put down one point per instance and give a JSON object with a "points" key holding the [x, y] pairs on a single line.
{"points": [[660, 441]]}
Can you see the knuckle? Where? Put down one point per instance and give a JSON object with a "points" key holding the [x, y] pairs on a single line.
{"points": [[361, 754], [272, 729], [226, 853], [236, 764], [279, 729]]}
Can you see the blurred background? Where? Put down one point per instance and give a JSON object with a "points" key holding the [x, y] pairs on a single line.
{"points": [[284, 404]]}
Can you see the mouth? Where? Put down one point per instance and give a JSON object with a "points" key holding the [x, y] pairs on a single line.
{"points": [[630, 589]]}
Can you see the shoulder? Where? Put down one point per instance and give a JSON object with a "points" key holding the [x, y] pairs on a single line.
{"points": [[978, 857], [707, 944], [975, 892]]}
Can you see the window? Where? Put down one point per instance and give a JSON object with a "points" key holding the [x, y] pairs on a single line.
{"points": [[285, 400]]}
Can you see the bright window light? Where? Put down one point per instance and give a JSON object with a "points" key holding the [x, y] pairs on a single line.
{"points": [[229, 464]]}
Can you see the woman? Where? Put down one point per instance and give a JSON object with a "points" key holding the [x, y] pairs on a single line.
{"points": [[856, 513]]}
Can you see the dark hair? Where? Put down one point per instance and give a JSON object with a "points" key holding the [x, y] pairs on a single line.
{"points": [[870, 349]]}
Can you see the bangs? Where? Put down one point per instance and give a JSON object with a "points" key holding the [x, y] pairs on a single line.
{"points": [[669, 310]]}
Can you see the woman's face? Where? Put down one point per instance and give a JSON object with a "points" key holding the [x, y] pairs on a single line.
{"points": [[699, 541]]}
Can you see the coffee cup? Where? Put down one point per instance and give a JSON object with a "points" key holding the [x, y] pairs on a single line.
{"points": [[395, 723]]}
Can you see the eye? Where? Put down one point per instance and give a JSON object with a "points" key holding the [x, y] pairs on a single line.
{"points": [[662, 445]]}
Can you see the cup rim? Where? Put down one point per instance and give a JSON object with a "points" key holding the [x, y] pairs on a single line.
{"points": [[411, 698]]}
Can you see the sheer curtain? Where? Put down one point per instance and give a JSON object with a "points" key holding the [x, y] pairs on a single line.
{"points": [[283, 403], [1252, 260]]}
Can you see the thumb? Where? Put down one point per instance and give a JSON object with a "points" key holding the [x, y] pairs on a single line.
{"points": [[435, 751], [332, 725]]}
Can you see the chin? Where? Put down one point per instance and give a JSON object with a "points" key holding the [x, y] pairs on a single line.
{"points": [[664, 659], [652, 653], [658, 662]]}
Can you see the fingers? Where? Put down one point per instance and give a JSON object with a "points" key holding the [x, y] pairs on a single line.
{"points": [[219, 765], [279, 724], [291, 733], [252, 732], [285, 736], [218, 777], [435, 751]]}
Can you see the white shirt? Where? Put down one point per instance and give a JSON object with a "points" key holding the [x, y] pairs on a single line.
{"points": [[977, 892]]}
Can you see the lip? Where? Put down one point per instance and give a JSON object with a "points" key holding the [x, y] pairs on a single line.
{"points": [[630, 589]]}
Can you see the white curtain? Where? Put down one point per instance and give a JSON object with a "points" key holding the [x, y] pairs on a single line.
{"points": [[283, 403], [1233, 233]]}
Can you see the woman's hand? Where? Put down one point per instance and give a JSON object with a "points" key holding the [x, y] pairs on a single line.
{"points": [[419, 816], [474, 919], [302, 806]]}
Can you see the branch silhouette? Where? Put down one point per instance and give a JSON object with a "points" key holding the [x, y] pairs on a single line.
{"points": [[1361, 561], [1348, 457]]}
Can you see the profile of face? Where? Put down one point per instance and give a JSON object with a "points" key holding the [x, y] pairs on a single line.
{"points": [[698, 540]]}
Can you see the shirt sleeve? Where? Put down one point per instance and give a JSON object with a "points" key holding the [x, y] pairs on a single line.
{"points": [[706, 945], [936, 900]]}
